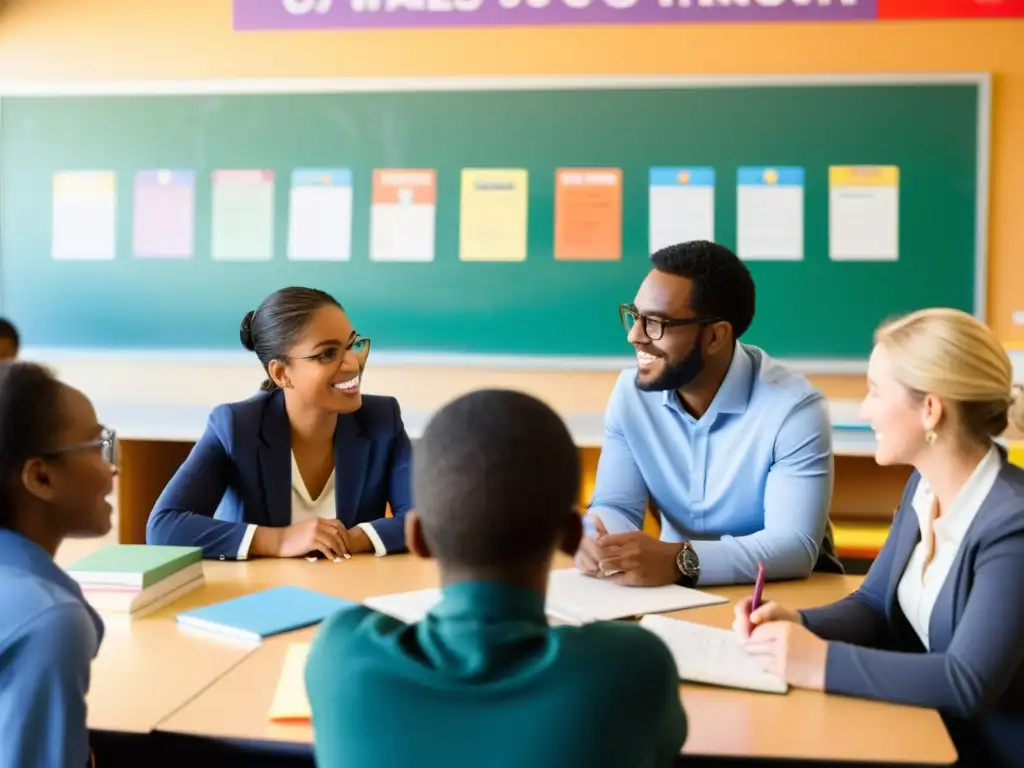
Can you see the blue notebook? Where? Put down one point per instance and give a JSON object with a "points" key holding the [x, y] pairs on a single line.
{"points": [[262, 614]]}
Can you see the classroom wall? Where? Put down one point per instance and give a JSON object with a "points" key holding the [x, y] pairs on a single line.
{"points": [[50, 40]]}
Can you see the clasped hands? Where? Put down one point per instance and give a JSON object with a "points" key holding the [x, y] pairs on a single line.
{"points": [[319, 534], [633, 559], [776, 637]]}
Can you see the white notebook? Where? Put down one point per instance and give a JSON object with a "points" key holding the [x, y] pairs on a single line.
{"points": [[712, 656], [572, 599]]}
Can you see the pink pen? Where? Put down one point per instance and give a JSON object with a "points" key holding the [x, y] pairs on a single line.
{"points": [[758, 588]]}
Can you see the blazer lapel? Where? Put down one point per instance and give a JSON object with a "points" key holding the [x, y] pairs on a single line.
{"points": [[351, 454], [275, 462], [1000, 503]]}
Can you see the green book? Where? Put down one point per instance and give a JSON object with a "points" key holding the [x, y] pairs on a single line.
{"points": [[133, 565]]}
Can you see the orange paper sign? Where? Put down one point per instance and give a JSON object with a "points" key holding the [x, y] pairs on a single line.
{"points": [[588, 214]]}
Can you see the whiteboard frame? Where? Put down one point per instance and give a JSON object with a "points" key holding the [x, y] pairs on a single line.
{"points": [[197, 87]]}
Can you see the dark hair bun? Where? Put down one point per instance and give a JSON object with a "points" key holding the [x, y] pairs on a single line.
{"points": [[245, 332]]}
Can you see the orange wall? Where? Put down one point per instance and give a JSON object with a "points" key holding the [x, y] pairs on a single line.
{"points": [[92, 39]]}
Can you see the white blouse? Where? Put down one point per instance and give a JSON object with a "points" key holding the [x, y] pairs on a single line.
{"points": [[305, 507], [920, 584]]}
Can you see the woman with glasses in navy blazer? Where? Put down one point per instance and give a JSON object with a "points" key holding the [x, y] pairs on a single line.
{"points": [[310, 464]]}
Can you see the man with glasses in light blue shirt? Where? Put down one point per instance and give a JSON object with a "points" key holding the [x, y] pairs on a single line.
{"points": [[733, 449]]}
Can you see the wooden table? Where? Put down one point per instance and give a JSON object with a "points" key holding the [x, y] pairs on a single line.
{"points": [[805, 725], [723, 723]]}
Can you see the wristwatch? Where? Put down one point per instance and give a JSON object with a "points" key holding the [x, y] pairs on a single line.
{"points": [[689, 566]]}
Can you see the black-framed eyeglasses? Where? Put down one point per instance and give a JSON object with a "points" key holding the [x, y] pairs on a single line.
{"points": [[106, 442], [360, 347], [654, 327]]}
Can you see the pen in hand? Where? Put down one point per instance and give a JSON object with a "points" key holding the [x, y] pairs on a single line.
{"points": [[755, 603]]}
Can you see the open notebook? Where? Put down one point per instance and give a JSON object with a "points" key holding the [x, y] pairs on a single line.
{"points": [[712, 656], [572, 599]]}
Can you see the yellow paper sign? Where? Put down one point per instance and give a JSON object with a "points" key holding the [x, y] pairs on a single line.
{"points": [[493, 215]]}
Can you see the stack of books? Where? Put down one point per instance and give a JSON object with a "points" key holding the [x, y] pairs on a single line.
{"points": [[137, 579]]}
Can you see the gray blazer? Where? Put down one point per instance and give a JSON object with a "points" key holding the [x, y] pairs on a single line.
{"points": [[974, 672]]}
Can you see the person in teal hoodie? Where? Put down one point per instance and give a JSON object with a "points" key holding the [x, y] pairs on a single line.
{"points": [[484, 679]]}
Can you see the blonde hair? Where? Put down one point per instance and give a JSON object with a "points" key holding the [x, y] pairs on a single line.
{"points": [[954, 355]]}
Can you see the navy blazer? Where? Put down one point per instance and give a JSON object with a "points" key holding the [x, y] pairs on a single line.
{"points": [[240, 472], [974, 672]]}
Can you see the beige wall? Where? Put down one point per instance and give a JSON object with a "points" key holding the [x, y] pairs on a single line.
{"points": [[173, 39]]}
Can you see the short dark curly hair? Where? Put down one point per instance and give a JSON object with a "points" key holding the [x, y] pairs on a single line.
{"points": [[722, 285], [495, 477]]}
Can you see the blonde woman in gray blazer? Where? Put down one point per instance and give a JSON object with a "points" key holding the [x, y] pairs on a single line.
{"points": [[939, 619]]}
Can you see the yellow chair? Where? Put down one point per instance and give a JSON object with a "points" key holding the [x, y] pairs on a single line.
{"points": [[1016, 452]]}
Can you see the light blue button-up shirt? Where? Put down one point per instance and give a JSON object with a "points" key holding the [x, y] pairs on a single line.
{"points": [[48, 638], [749, 482]]}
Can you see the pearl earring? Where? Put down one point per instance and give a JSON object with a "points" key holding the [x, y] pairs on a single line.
{"points": [[930, 437]]}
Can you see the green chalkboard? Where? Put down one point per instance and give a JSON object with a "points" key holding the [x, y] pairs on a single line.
{"points": [[815, 308]]}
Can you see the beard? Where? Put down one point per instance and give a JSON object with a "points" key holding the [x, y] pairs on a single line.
{"points": [[675, 375]]}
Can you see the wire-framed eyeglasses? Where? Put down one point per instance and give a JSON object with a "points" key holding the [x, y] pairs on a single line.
{"points": [[106, 442]]}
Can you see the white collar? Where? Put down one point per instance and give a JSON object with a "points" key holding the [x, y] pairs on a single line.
{"points": [[954, 522]]}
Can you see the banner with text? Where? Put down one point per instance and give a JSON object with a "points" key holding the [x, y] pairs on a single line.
{"points": [[367, 14]]}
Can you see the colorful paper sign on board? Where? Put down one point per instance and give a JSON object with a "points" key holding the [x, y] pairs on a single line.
{"points": [[770, 213], [320, 215], [493, 214], [403, 215], [164, 214], [681, 205], [863, 212], [84, 216], [588, 214], [243, 215]]}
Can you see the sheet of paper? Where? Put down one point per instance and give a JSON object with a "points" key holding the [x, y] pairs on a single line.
{"points": [[863, 212], [320, 215], [243, 215], [493, 215], [588, 214], [712, 655], [403, 215], [84, 220], [682, 206], [573, 595], [164, 220], [770, 213], [290, 702], [411, 607]]}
